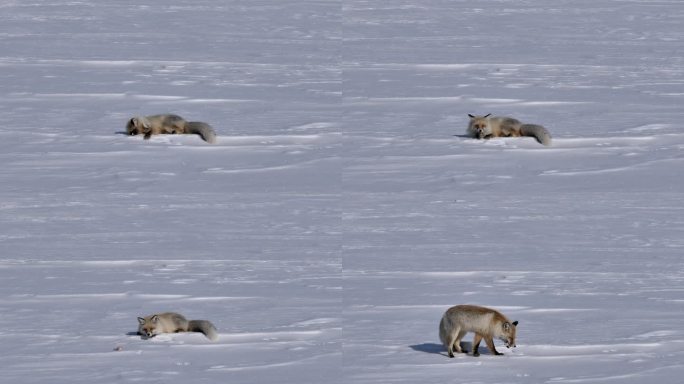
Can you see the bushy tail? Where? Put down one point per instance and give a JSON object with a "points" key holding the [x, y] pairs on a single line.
{"points": [[538, 132], [205, 131], [443, 325], [204, 326]]}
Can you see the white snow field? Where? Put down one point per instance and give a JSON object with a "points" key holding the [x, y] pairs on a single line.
{"points": [[342, 210]]}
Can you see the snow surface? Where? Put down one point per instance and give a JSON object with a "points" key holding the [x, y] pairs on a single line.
{"points": [[341, 211]]}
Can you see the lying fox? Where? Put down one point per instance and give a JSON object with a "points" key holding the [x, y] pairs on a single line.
{"points": [[169, 124], [486, 127], [170, 322], [486, 323]]}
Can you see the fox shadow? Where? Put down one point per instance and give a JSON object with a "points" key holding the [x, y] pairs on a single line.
{"points": [[437, 349], [434, 348]]}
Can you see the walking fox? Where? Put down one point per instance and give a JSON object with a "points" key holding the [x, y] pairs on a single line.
{"points": [[486, 323], [169, 124], [486, 127], [170, 322]]}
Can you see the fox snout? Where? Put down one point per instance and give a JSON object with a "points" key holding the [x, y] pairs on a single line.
{"points": [[509, 342], [480, 130], [147, 333]]}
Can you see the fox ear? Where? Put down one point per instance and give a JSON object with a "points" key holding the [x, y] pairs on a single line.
{"points": [[471, 116], [506, 326], [141, 320], [515, 323], [487, 115], [154, 318]]}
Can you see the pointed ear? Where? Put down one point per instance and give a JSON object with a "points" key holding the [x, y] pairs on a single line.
{"points": [[141, 320], [506, 326], [487, 115], [471, 116], [154, 319], [515, 323]]}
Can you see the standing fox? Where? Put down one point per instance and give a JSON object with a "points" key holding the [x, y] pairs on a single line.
{"points": [[485, 127], [486, 323], [169, 124], [169, 322]]}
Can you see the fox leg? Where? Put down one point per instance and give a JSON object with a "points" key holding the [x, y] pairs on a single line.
{"points": [[457, 342], [476, 344], [452, 341], [450, 344], [176, 128], [490, 345], [509, 131]]}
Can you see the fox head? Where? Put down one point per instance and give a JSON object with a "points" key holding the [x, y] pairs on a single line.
{"points": [[508, 333], [137, 125], [147, 326], [479, 124]]}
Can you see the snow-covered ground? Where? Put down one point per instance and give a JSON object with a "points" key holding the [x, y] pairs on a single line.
{"points": [[341, 211]]}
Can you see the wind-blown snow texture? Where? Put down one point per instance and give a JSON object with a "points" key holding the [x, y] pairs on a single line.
{"points": [[341, 211]]}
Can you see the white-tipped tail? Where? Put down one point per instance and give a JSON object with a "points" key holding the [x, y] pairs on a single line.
{"points": [[205, 327], [538, 132], [205, 131]]}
